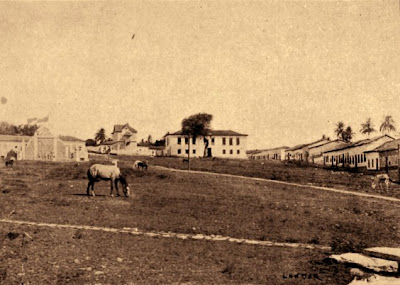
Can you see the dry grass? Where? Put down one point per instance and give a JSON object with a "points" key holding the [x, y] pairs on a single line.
{"points": [[184, 203]]}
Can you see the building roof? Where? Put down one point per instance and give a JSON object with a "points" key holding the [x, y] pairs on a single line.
{"points": [[14, 138], [387, 146], [269, 149], [342, 143], [119, 128], [144, 144], [70, 139], [359, 143], [109, 142], [213, 133], [300, 146]]}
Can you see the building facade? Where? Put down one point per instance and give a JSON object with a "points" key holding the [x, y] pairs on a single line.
{"points": [[219, 143], [354, 155], [302, 152], [269, 154], [13, 143]]}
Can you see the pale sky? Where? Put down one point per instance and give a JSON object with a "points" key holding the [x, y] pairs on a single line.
{"points": [[283, 72]]}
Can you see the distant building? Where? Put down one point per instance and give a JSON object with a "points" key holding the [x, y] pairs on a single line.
{"points": [[316, 152], [354, 154], [384, 157], [147, 149], [277, 153], [221, 143], [14, 143], [302, 152]]}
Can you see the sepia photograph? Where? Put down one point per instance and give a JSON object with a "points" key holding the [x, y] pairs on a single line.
{"points": [[200, 142]]}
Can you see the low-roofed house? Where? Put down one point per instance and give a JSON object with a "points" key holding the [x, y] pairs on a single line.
{"points": [[316, 152], [219, 143], [385, 156], [301, 152], [14, 143], [277, 153], [354, 154]]}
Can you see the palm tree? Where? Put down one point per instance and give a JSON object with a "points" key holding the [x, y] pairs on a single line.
{"points": [[367, 127], [100, 136], [339, 129], [387, 126]]}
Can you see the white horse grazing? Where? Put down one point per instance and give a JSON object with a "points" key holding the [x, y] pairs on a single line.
{"points": [[112, 173], [379, 180]]}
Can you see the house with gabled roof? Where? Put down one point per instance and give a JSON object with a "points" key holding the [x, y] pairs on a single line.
{"points": [[354, 154], [301, 152], [13, 143], [385, 156], [316, 152], [277, 153], [218, 143]]}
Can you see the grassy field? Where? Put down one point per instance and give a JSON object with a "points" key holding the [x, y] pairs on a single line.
{"points": [[184, 203]]}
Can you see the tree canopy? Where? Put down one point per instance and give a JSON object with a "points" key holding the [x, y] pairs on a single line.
{"points": [[197, 125], [11, 129], [100, 136]]}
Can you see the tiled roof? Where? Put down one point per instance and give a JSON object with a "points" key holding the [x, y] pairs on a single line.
{"points": [[215, 133], [300, 146], [11, 138], [359, 143], [269, 149], [119, 128], [392, 145], [70, 139], [342, 143], [109, 142]]}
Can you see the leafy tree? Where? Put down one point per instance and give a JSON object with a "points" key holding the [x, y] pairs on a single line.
{"points": [[195, 126], [388, 125], [367, 127], [90, 142], [100, 136], [339, 129], [347, 134], [11, 129]]}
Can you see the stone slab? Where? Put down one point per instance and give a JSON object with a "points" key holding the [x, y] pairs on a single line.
{"points": [[376, 280], [372, 263], [392, 253]]}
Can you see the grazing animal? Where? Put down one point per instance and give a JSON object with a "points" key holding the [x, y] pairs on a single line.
{"points": [[379, 180], [112, 173], [9, 163], [140, 164]]}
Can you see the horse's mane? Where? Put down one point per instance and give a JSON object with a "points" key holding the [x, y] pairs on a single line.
{"points": [[122, 179]]}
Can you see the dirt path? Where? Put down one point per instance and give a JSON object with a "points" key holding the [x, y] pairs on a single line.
{"points": [[135, 231], [392, 199]]}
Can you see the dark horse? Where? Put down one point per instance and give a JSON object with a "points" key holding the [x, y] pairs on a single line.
{"points": [[9, 163], [112, 173]]}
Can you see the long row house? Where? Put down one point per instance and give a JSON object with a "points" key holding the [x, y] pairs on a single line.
{"points": [[377, 153]]}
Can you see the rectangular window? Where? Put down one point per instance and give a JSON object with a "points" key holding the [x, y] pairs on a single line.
{"points": [[365, 157], [358, 158], [194, 141], [238, 151], [212, 141], [179, 140], [230, 141], [369, 163], [186, 151], [223, 151], [223, 141], [186, 140], [194, 151], [237, 141], [372, 163], [231, 151], [179, 151]]}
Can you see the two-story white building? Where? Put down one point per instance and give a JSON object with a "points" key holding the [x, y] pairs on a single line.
{"points": [[219, 143]]}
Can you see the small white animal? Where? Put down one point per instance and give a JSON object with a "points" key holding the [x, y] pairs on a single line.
{"points": [[379, 180]]}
